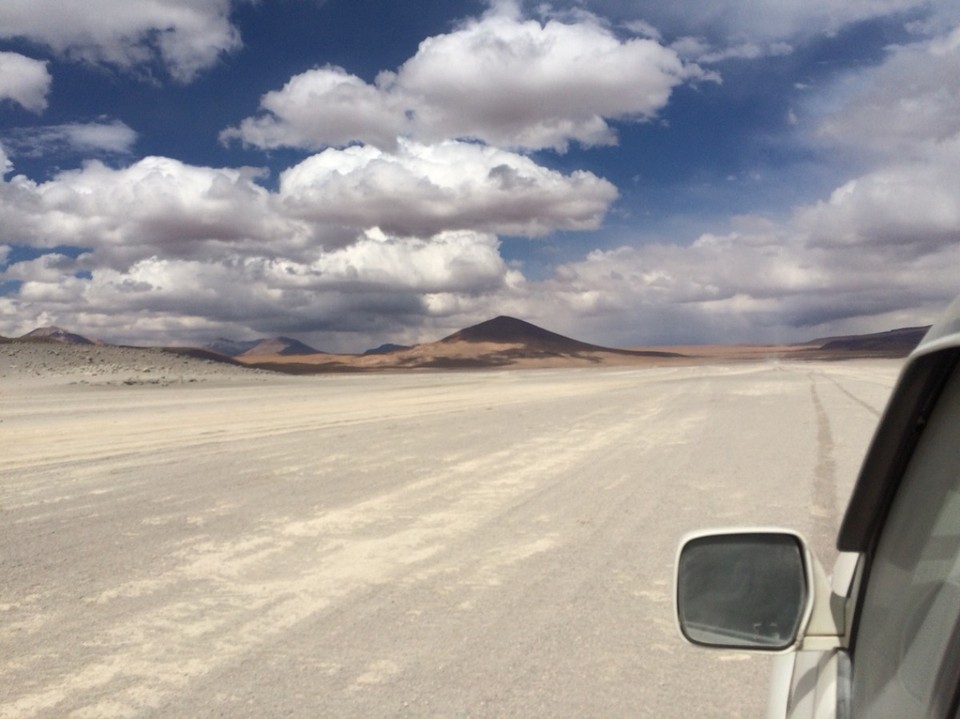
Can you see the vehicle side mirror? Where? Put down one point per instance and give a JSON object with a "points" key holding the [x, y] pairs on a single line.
{"points": [[744, 589]]}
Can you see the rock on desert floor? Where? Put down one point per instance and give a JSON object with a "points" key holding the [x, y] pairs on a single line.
{"points": [[473, 544]]}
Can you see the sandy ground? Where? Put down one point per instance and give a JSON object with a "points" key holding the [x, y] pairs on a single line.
{"points": [[464, 544]]}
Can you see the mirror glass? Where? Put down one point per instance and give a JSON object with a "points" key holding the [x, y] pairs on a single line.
{"points": [[742, 590]]}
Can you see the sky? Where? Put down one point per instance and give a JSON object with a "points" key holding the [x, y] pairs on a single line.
{"points": [[356, 172]]}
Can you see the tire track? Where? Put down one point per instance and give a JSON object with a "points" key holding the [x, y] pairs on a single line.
{"points": [[823, 510], [869, 407]]}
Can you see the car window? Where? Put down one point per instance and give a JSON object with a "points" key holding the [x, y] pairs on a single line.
{"points": [[911, 607]]}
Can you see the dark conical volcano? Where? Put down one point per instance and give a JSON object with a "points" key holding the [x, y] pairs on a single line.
{"points": [[510, 330]]}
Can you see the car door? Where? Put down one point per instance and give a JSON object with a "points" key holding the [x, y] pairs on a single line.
{"points": [[906, 640]]}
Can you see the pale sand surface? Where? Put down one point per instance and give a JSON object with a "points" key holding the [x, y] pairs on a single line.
{"points": [[469, 544], [498, 354]]}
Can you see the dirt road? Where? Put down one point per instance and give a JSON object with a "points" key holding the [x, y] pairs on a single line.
{"points": [[495, 544]]}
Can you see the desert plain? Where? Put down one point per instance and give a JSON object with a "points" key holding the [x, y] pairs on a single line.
{"points": [[186, 539]]}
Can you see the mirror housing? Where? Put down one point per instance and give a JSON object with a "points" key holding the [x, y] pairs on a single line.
{"points": [[755, 590]]}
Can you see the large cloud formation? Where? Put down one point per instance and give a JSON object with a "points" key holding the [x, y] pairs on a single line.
{"points": [[186, 249], [759, 282], [185, 36], [390, 230], [366, 285], [506, 81], [881, 250], [163, 206]]}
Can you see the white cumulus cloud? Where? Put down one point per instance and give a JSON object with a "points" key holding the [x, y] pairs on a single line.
{"points": [[24, 81], [155, 206], [454, 261], [911, 208], [499, 79], [186, 36], [425, 189], [521, 83], [905, 107], [323, 107]]}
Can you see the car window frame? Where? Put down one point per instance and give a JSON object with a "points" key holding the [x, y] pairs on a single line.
{"points": [[906, 415]]}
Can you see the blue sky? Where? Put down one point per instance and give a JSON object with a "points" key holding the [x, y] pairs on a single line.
{"points": [[353, 172]]}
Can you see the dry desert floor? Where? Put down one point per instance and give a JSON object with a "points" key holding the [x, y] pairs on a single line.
{"points": [[447, 544]]}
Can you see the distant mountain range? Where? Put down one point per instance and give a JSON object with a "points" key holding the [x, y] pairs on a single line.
{"points": [[55, 334], [283, 346], [501, 341], [898, 341], [231, 348], [385, 349]]}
